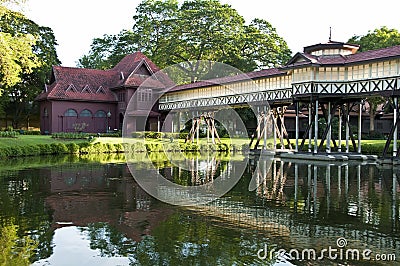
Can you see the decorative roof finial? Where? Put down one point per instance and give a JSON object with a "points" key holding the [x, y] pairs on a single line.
{"points": [[330, 34]]}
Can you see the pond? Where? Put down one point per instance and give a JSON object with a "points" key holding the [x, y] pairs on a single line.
{"points": [[91, 211]]}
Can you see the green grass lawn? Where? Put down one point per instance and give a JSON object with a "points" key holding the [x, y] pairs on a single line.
{"points": [[24, 140]]}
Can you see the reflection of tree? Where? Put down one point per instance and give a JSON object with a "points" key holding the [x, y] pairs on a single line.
{"points": [[108, 240], [188, 239], [23, 202], [14, 250]]}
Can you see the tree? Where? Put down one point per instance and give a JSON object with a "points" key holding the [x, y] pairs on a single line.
{"points": [[379, 38], [376, 39], [36, 47], [170, 34], [16, 53]]}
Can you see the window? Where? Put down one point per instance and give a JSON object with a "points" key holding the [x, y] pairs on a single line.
{"points": [[85, 113], [145, 95], [121, 96], [100, 113], [70, 112], [45, 112]]}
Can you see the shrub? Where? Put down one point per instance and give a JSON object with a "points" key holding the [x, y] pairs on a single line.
{"points": [[15, 151], [153, 135], [138, 134], [138, 147], [9, 134], [31, 132], [30, 150], [72, 147], [69, 135], [44, 149], [58, 148], [183, 135], [119, 147]]}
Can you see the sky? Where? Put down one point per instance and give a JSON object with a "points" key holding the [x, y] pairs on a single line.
{"points": [[76, 23]]}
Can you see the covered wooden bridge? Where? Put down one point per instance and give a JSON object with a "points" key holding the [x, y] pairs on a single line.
{"points": [[326, 80]]}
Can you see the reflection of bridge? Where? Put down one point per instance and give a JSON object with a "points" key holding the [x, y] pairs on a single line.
{"points": [[327, 80], [321, 202]]}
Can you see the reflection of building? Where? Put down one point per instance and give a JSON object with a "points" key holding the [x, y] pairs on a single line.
{"points": [[84, 194], [89, 100]]}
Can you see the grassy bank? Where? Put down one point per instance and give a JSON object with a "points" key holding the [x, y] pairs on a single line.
{"points": [[26, 145], [31, 145]]}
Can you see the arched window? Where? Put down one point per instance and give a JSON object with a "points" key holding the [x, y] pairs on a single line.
{"points": [[85, 113], [70, 112], [100, 113], [45, 112]]}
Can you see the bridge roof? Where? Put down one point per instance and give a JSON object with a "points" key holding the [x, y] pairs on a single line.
{"points": [[229, 79], [305, 59]]}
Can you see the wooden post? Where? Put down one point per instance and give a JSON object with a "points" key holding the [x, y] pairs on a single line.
{"points": [[297, 127], [340, 130], [328, 137], [265, 127], [395, 127], [359, 127], [347, 128], [316, 128], [274, 128], [309, 122]]}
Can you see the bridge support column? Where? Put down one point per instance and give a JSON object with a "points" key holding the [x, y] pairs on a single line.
{"points": [[395, 100], [265, 127], [328, 136], [359, 127], [172, 123], [259, 122], [309, 123], [198, 128], [297, 127], [274, 128], [316, 127], [347, 128], [340, 129]]}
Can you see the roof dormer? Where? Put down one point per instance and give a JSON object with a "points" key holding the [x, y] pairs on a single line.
{"points": [[331, 48]]}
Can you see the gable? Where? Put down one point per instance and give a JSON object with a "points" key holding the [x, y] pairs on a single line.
{"points": [[300, 58], [72, 88], [142, 70], [101, 90], [86, 89]]}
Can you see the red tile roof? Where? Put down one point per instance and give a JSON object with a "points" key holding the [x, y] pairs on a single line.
{"points": [[80, 84], [229, 79]]}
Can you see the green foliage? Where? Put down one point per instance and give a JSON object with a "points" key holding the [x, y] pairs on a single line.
{"points": [[31, 132], [9, 134], [16, 51], [72, 147], [379, 38], [70, 135], [153, 135], [58, 148], [30, 150], [169, 33], [14, 250], [27, 54]]}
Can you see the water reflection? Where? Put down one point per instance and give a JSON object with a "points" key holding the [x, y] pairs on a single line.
{"points": [[85, 212]]}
